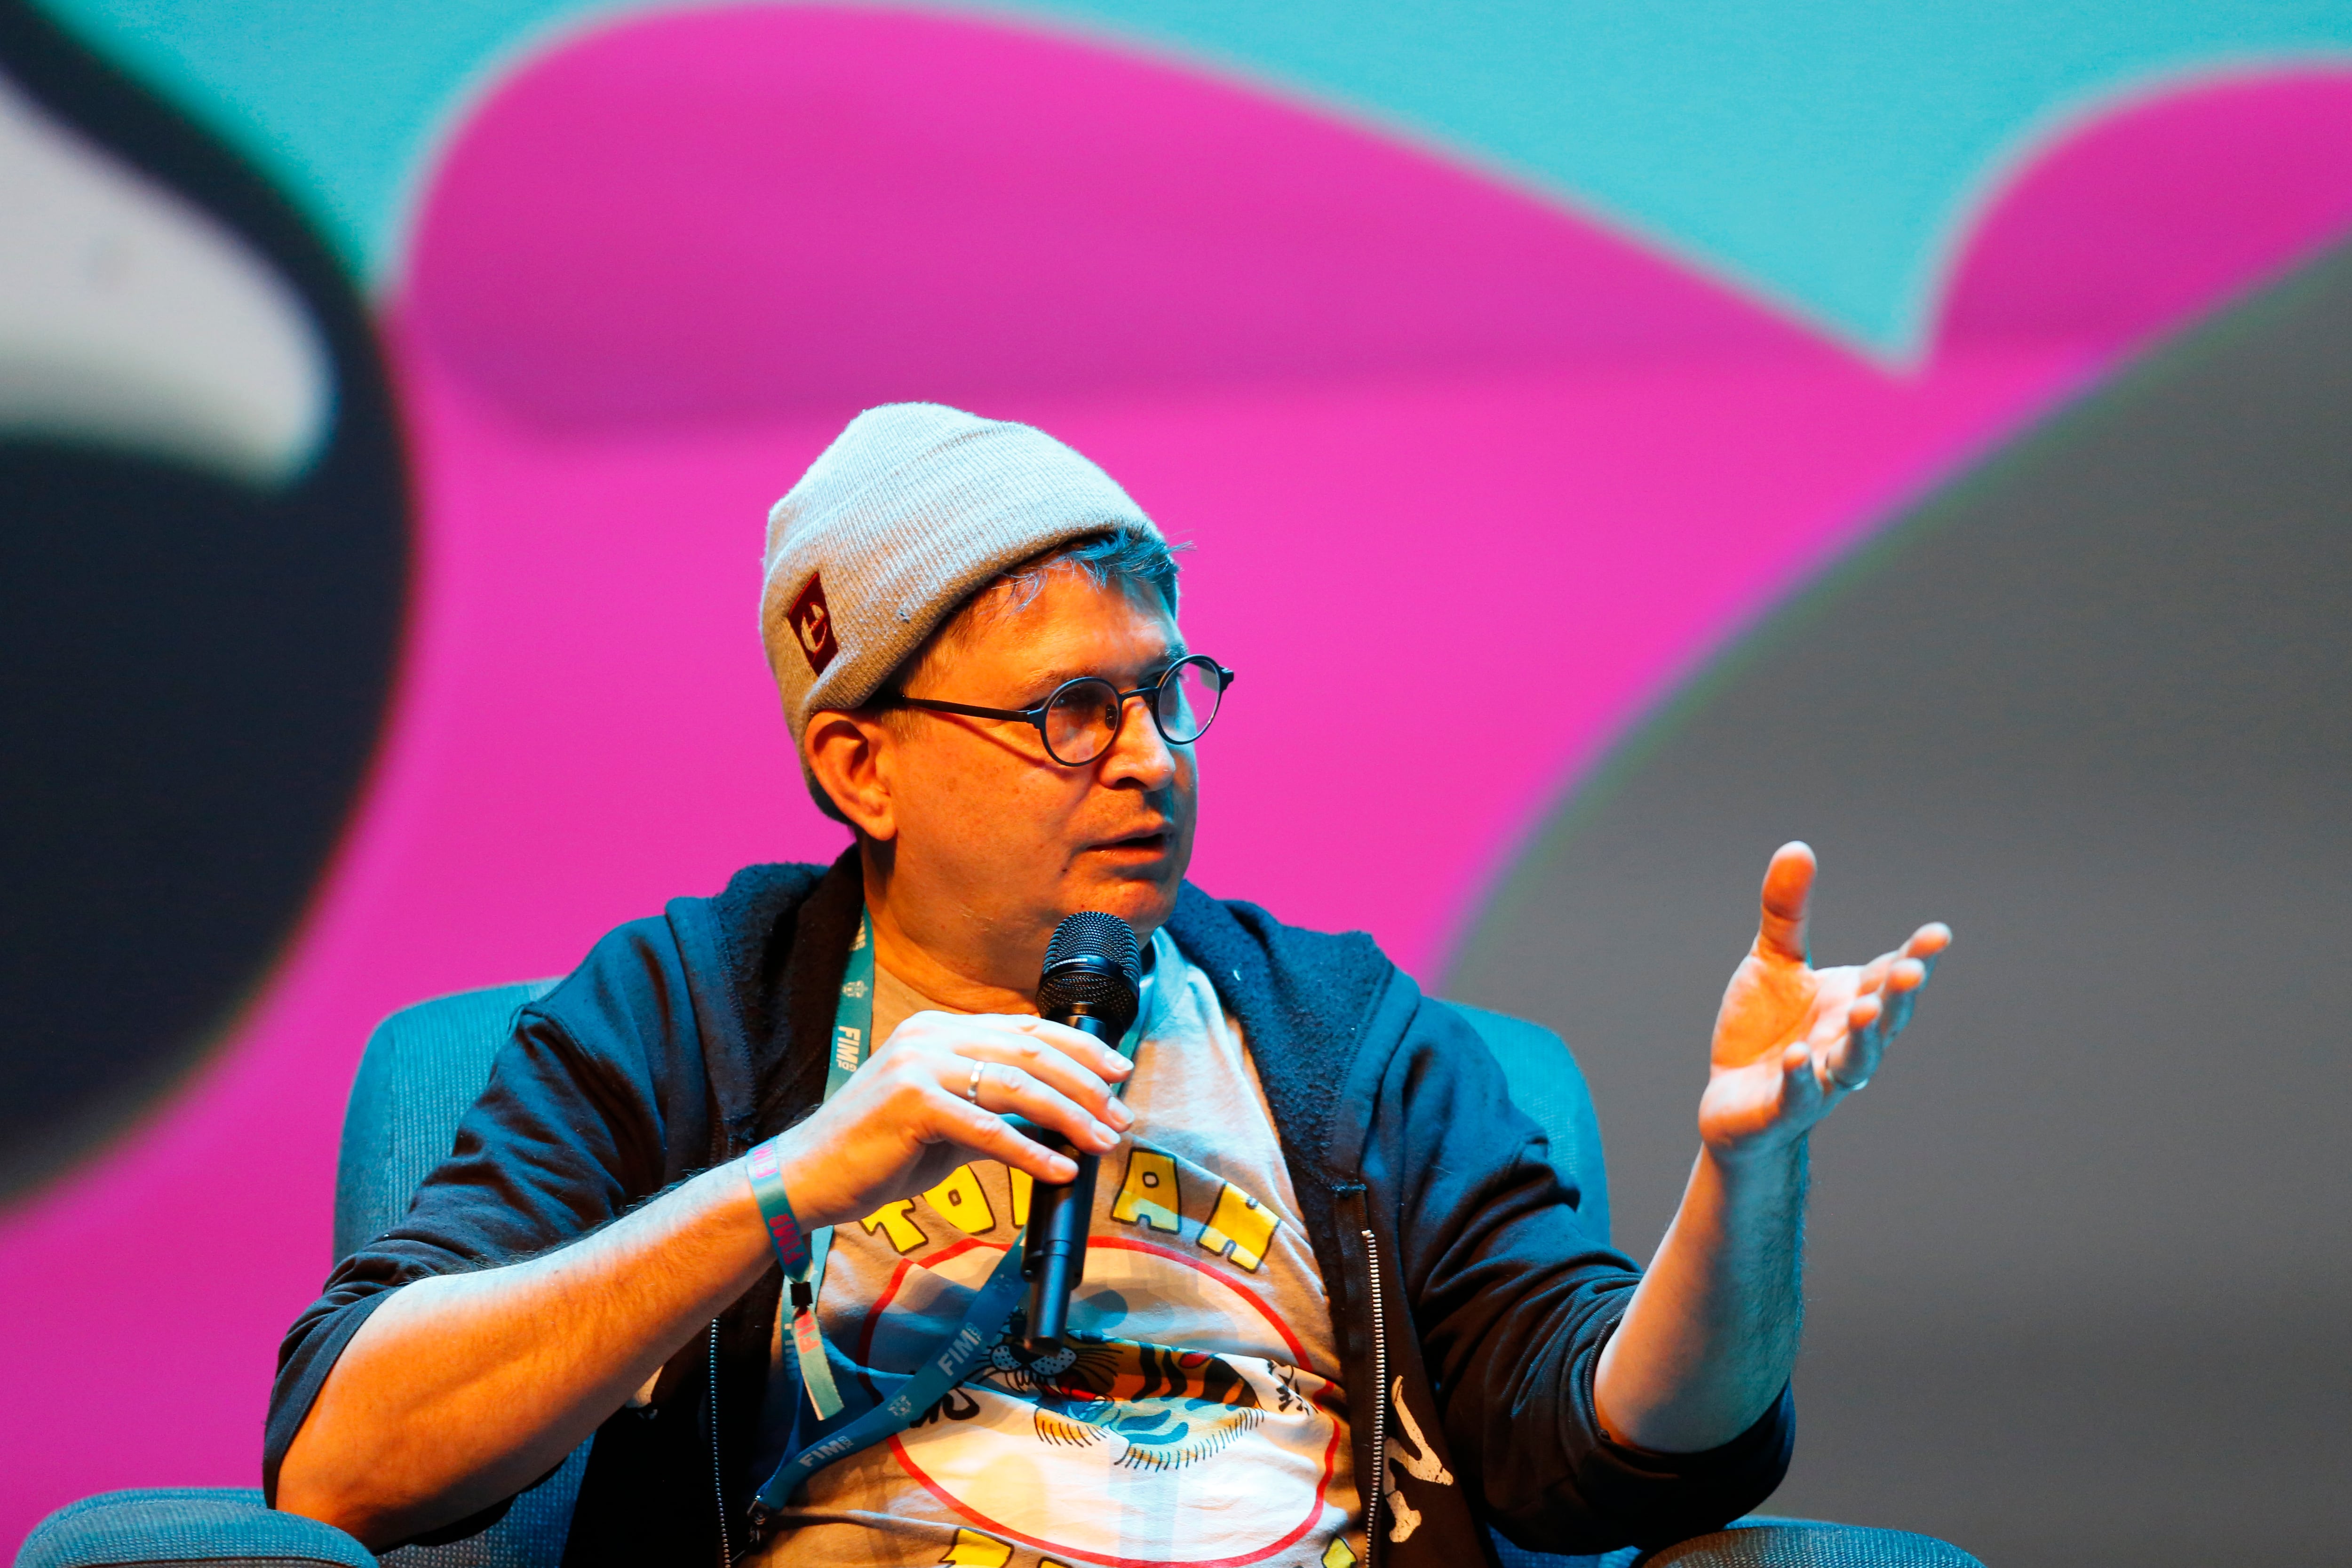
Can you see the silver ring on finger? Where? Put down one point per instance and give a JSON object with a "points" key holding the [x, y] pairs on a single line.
{"points": [[1849, 1088], [971, 1090]]}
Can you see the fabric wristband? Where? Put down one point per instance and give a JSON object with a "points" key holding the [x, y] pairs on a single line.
{"points": [[761, 1168], [767, 1178]]}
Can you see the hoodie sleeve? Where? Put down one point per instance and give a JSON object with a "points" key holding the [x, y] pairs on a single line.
{"points": [[1512, 1299], [589, 1108]]}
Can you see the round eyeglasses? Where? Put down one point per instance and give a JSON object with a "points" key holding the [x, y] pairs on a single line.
{"points": [[1081, 720]]}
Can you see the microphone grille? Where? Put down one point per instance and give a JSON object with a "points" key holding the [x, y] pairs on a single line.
{"points": [[1092, 964], [1091, 933]]}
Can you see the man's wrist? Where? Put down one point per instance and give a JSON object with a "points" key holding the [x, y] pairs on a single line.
{"points": [[763, 1171], [1758, 1169], [805, 1172]]}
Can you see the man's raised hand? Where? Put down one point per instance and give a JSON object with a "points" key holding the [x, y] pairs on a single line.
{"points": [[1791, 1040], [1709, 1338]]}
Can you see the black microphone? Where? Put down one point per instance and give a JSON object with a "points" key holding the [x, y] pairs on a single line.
{"points": [[1091, 982]]}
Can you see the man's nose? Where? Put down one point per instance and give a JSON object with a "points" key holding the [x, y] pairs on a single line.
{"points": [[1139, 752]]}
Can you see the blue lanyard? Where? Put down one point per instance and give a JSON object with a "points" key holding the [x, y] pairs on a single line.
{"points": [[853, 1042], [983, 1323]]}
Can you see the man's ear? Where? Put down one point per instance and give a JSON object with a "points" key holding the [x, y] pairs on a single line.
{"points": [[848, 753]]}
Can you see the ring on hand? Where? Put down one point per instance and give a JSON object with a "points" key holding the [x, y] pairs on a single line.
{"points": [[971, 1090], [1849, 1088]]}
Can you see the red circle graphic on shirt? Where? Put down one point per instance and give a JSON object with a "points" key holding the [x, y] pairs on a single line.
{"points": [[1029, 1451]]}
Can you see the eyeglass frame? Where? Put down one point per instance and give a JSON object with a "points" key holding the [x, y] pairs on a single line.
{"points": [[1035, 717]]}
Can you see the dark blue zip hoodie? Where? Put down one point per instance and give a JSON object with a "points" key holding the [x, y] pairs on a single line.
{"points": [[1463, 1282]]}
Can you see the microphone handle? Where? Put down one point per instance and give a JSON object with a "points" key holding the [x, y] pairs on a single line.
{"points": [[1053, 1248]]}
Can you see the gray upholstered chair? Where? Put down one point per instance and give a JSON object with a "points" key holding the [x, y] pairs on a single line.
{"points": [[426, 1064]]}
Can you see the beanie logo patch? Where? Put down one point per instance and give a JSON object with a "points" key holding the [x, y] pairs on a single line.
{"points": [[812, 623]]}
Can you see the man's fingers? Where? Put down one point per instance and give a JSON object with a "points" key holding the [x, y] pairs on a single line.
{"points": [[1902, 993], [1897, 977], [1105, 1062], [1006, 1090], [986, 1135], [1850, 1060], [1800, 1088], [1908, 976], [1023, 1052], [1874, 975], [1071, 1064], [1874, 1017], [1787, 902]]}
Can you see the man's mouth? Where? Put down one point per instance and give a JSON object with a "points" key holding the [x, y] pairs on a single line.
{"points": [[1153, 843]]}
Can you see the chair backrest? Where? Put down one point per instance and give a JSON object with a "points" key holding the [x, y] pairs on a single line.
{"points": [[427, 1063], [422, 1067], [1550, 1087]]}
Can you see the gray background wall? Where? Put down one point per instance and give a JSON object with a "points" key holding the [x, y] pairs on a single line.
{"points": [[2081, 1287]]}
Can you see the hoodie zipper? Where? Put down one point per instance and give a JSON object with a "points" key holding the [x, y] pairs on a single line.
{"points": [[1379, 1401], [718, 1483]]}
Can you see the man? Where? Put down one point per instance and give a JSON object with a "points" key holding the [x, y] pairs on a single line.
{"points": [[1337, 1306]]}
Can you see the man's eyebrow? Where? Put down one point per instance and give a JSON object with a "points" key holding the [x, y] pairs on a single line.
{"points": [[1047, 677]]}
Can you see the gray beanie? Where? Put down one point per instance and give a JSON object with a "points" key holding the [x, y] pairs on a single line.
{"points": [[912, 510]]}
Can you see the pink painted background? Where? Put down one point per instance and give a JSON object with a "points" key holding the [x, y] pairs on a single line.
{"points": [[1498, 475]]}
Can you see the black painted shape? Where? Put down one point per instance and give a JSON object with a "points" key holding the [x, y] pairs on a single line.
{"points": [[2079, 1291], [193, 674]]}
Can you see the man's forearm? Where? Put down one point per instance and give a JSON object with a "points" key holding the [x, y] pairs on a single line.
{"points": [[1711, 1333], [464, 1388]]}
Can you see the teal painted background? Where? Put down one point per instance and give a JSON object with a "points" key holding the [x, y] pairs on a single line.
{"points": [[1822, 156]]}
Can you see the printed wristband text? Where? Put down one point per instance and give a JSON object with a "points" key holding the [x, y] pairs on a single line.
{"points": [[767, 1178]]}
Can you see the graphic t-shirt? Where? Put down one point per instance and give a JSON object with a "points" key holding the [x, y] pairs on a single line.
{"points": [[1202, 1422]]}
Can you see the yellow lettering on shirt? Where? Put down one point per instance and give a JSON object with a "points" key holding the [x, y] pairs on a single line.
{"points": [[1022, 1181], [1240, 1229], [1339, 1554], [1147, 1192], [962, 1201], [891, 1219], [973, 1549]]}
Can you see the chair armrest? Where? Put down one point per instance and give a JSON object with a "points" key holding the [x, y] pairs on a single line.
{"points": [[185, 1524], [1760, 1540]]}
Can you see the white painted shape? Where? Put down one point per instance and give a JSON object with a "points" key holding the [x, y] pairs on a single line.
{"points": [[131, 317]]}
